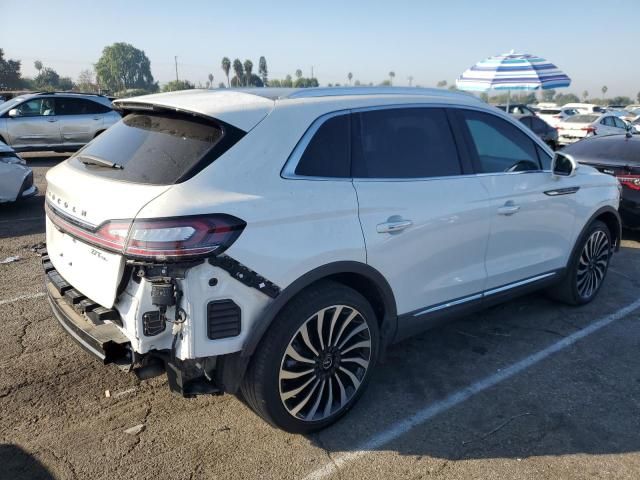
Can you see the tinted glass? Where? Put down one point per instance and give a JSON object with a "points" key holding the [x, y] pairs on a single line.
{"points": [[526, 121], [550, 111], [79, 106], [327, 154], [500, 146], [152, 148], [37, 107], [545, 158], [538, 126], [619, 123], [403, 143]]}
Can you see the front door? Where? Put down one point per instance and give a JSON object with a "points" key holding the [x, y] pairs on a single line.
{"points": [[35, 125], [532, 213], [425, 224]]}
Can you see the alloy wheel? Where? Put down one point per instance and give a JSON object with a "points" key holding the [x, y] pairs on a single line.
{"points": [[593, 263], [325, 363]]}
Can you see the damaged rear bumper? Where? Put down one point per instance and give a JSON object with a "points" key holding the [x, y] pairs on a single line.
{"points": [[95, 329]]}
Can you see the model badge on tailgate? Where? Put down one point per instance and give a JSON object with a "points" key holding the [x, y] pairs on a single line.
{"points": [[98, 254]]}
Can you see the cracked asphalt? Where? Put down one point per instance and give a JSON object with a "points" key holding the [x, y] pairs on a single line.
{"points": [[574, 415]]}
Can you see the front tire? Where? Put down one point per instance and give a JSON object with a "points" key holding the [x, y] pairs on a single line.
{"points": [[587, 267], [315, 361]]}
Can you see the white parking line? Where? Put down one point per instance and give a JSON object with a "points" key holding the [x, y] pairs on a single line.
{"points": [[21, 297], [430, 411]]}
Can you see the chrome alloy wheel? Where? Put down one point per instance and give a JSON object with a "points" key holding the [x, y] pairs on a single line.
{"points": [[325, 363], [593, 263]]}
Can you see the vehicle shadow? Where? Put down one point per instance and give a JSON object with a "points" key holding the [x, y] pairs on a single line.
{"points": [[16, 464], [581, 400]]}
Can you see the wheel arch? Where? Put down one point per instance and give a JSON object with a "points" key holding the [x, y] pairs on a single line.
{"points": [[611, 218], [363, 278]]}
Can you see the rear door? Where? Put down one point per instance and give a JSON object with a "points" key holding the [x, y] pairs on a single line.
{"points": [[423, 215], [79, 120], [35, 125], [531, 224]]}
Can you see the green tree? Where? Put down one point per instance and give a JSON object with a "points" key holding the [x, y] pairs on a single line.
{"points": [[564, 98], [386, 83], [274, 82], [484, 96], [122, 66], [547, 95], [210, 80], [238, 69], [65, 84], [298, 73], [38, 65], [9, 72], [178, 85], [585, 95], [85, 81], [357, 83], [350, 76], [287, 82], [226, 67], [262, 70], [621, 100], [604, 91], [638, 97], [248, 71], [392, 75], [221, 85], [47, 79], [441, 84]]}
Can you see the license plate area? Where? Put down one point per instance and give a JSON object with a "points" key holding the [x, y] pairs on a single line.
{"points": [[92, 271]]}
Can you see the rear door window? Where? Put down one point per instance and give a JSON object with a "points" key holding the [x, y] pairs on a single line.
{"points": [[158, 149], [79, 106], [619, 123], [499, 145], [403, 143], [327, 154]]}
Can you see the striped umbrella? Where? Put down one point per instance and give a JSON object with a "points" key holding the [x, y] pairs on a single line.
{"points": [[512, 71]]}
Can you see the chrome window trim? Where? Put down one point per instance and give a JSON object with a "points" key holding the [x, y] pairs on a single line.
{"points": [[288, 171], [487, 293]]}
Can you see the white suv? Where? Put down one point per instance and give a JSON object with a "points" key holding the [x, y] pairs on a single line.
{"points": [[275, 242]]}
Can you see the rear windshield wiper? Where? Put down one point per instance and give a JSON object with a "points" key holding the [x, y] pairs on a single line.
{"points": [[99, 162]]}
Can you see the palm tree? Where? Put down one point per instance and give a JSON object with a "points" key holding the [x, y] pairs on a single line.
{"points": [[226, 66], [262, 70], [248, 71], [392, 75], [38, 65], [585, 95], [298, 73], [238, 69], [210, 80], [350, 76], [604, 91]]}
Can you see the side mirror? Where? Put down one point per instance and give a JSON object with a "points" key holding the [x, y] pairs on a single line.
{"points": [[563, 165], [14, 113]]}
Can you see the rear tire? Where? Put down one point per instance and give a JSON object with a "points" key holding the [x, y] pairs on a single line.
{"points": [[587, 268], [315, 360]]}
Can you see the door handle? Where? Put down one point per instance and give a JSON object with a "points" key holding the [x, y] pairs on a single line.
{"points": [[395, 226], [508, 208], [51, 120]]}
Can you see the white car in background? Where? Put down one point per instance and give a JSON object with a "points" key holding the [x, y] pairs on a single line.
{"points": [[586, 125], [16, 179], [585, 107], [553, 116]]}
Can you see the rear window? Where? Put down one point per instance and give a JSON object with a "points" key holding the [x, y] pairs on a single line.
{"points": [[157, 149], [549, 111], [612, 148], [582, 119]]}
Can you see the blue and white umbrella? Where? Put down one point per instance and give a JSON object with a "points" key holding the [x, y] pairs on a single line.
{"points": [[512, 71]]}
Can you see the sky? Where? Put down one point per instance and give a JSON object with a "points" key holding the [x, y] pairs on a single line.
{"points": [[593, 41]]}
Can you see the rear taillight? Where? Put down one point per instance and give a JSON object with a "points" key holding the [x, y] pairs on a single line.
{"points": [[630, 181], [589, 130], [557, 116], [182, 237], [162, 239]]}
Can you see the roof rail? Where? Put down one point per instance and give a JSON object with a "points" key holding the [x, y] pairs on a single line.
{"points": [[339, 91], [69, 93]]}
